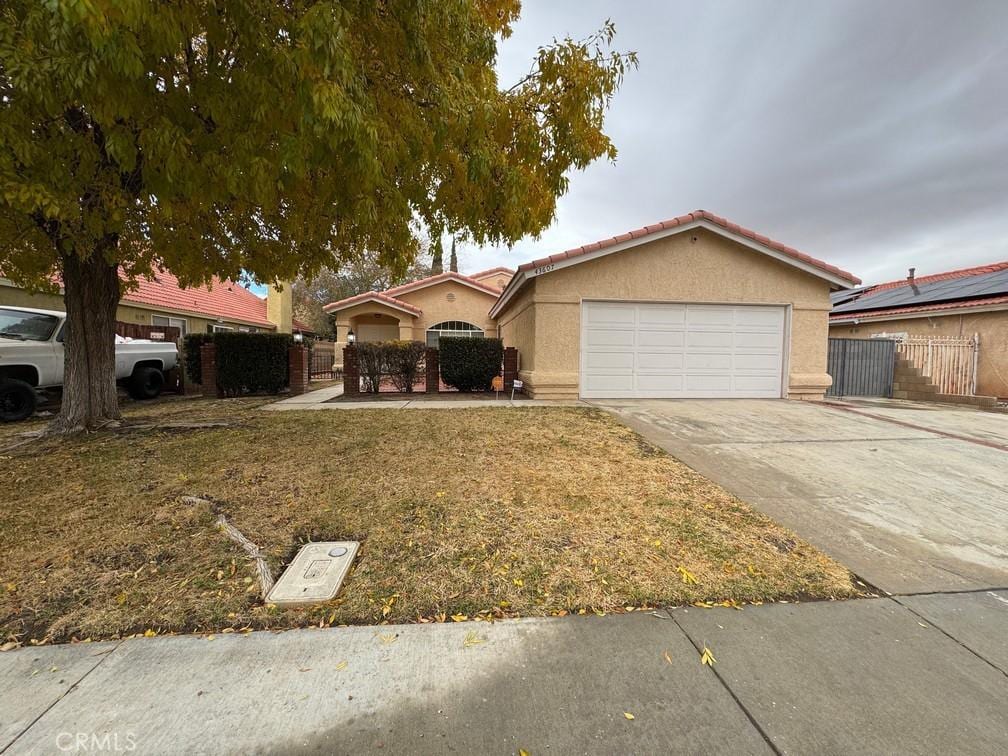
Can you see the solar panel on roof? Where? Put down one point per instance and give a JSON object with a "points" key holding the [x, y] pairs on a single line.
{"points": [[986, 285]]}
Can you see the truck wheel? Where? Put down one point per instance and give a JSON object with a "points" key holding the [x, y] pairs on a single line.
{"points": [[17, 400], [146, 383]]}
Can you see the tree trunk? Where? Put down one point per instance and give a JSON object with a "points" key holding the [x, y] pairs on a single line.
{"points": [[91, 296]]}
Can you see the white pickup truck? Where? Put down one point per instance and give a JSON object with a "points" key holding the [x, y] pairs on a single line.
{"points": [[31, 358]]}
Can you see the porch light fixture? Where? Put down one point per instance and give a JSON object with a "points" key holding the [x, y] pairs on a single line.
{"points": [[350, 338]]}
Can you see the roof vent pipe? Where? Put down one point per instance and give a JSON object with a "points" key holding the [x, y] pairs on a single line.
{"points": [[910, 275]]}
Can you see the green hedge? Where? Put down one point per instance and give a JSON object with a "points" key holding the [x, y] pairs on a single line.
{"points": [[247, 363], [470, 364]]}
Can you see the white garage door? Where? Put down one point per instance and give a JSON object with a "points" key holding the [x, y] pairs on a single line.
{"points": [[636, 350]]}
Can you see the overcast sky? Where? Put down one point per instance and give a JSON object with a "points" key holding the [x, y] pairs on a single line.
{"points": [[873, 135]]}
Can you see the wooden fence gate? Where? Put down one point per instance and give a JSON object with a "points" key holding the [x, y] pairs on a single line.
{"points": [[950, 362], [861, 367]]}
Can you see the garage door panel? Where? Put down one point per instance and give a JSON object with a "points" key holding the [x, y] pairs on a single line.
{"points": [[710, 383], [660, 338], [767, 385], [660, 360], [765, 317], [653, 350], [609, 360], [757, 341], [605, 313], [709, 315], [608, 337], [621, 384], [659, 383], [712, 361], [764, 362], [662, 315], [708, 339]]}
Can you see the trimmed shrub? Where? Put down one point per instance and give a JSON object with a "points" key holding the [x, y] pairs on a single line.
{"points": [[372, 362], [249, 363], [191, 344], [470, 364], [405, 361]]}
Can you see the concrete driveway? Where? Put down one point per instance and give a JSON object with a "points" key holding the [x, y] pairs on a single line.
{"points": [[911, 497]]}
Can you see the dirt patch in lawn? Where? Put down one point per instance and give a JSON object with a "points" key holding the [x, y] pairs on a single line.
{"points": [[471, 512]]}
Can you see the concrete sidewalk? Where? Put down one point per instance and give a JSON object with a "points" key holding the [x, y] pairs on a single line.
{"points": [[913, 675], [321, 399]]}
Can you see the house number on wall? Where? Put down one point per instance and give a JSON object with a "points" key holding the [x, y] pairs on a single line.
{"points": [[543, 269]]}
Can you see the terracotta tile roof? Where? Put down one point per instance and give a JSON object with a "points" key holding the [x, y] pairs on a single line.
{"points": [[380, 296], [389, 296], [490, 272], [921, 309], [683, 220], [226, 300], [448, 275], [949, 275]]}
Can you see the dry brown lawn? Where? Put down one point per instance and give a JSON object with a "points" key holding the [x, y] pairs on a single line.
{"points": [[476, 512]]}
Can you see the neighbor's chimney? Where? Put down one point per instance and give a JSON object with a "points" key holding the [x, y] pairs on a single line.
{"points": [[280, 307], [910, 275]]}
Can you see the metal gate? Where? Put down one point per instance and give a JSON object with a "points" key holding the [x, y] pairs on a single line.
{"points": [[861, 367], [320, 365]]}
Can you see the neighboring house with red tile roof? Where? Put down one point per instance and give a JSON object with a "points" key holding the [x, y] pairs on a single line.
{"points": [[964, 302], [695, 306], [160, 300]]}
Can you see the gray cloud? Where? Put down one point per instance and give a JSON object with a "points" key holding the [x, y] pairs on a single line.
{"points": [[873, 135]]}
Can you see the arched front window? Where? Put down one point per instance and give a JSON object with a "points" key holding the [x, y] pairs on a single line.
{"points": [[452, 328]]}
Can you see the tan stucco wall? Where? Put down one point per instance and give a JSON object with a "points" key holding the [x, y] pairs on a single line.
{"points": [[517, 328], [127, 313], [991, 327], [696, 266], [469, 305], [499, 279]]}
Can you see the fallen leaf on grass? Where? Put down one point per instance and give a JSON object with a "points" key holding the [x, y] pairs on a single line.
{"points": [[687, 576], [9, 646], [707, 657], [459, 617]]}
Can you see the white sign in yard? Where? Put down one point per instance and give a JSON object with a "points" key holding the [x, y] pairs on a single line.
{"points": [[518, 384], [316, 573]]}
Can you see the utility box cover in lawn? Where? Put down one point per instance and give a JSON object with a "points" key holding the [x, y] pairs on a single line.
{"points": [[316, 573]]}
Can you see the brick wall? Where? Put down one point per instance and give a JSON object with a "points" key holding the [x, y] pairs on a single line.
{"points": [[510, 367], [351, 372], [297, 369], [433, 370], [208, 363]]}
